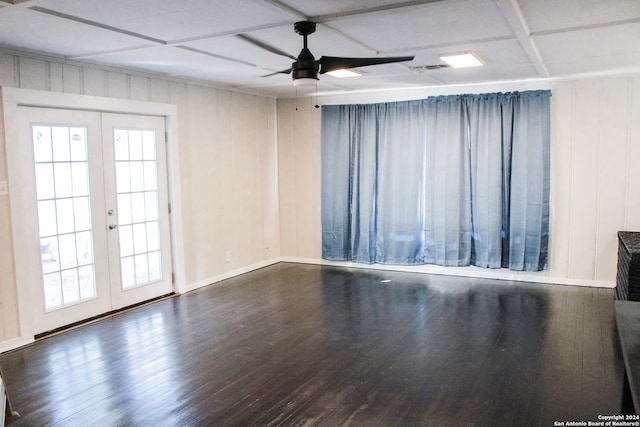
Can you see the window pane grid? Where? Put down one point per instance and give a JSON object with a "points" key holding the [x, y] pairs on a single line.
{"points": [[137, 194], [64, 214]]}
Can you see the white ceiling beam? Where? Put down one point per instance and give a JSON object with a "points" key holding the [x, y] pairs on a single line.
{"points": [[228, 33], [296, 13], [299, 15], [14, 2], [431, 46], [96, 24], [518, 24], [367, 10], [324, 20], [587, 27]]}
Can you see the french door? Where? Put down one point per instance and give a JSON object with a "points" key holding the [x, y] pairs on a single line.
{"points": [[100, 221]]}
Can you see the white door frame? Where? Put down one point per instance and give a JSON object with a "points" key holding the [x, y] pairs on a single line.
{"points": [[12, 100]]}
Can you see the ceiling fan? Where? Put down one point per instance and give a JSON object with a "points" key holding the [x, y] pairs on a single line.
{"points": [[307, 69]]}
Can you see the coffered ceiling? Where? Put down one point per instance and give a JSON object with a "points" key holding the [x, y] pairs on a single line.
{"points": [[197, 39]]}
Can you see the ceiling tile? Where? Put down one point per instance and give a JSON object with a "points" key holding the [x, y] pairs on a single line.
{"points": [[314, 8], [323, 42], [594, 50], [26, 29], [172, 20], [435, 24], [241, 50], [168, 60], [484, 74], [552, 15]]}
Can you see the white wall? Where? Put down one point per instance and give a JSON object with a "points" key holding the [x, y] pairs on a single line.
{"points": [[258, 196], [595, 184], [228, 168]]}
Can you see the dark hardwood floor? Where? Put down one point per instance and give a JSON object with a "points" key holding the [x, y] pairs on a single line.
{"points": [[304, 345]]}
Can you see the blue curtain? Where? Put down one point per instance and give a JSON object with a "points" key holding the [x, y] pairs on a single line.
{"points": [[452, 180]]}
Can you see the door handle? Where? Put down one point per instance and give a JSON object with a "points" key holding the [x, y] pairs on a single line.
{"points": [[113, 226]]}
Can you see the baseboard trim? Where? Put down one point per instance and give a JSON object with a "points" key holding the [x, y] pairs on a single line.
{"points": [[14, 343], [229, 274], [474, 272]]}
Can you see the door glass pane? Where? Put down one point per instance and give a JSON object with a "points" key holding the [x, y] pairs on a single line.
{"points": [[67, 251], [82, 213], [135, 145], [142, 268], [121, 138], [151, 204], [153, 237], [64, 210], [52, 290], [60, 139], [78, 145], [44, 181], [47, 218], [148, 145], [136, 176], [86, 280], [123, 181], [124, 208], [150, 182], [49, 254], [70, 286], [139, 238], [62, 179], [154, 266], [136, 183], [80, 179], [42, 144], [64, 214], [138, 208], [128, 273], [84, 246], [126, 240]]}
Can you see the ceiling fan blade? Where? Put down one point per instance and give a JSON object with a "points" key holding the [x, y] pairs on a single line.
{"points": [[265, 46], [332, 63], [287, 71]]}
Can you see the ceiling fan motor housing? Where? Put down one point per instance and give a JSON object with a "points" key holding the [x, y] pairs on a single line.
{"points": [[306, 66], [304, 73], [304, 28]]}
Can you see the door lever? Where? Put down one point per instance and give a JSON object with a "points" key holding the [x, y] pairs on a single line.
{"points": [[113, 226]]}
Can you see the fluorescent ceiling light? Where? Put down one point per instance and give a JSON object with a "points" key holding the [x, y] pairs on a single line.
{"points": [[462, 60], [343, 73]]}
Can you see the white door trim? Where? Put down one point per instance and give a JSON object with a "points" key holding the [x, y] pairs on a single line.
{"points": [[12, 99]]}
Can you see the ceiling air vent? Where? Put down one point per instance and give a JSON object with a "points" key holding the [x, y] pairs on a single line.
{"points": [[429, 67]]}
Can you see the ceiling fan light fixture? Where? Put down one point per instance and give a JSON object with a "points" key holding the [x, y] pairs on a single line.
{"points": [[344, 73], [462, 60], [305, 82]]}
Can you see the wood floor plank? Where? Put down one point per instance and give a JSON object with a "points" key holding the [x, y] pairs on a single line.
{"points": [[306, 345]]}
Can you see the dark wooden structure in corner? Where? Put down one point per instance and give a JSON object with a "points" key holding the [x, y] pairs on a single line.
{"points": [[628, 277]]}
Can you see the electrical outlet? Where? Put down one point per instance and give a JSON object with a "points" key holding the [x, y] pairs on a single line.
{"points": [[227, 256], [4, 190]]}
